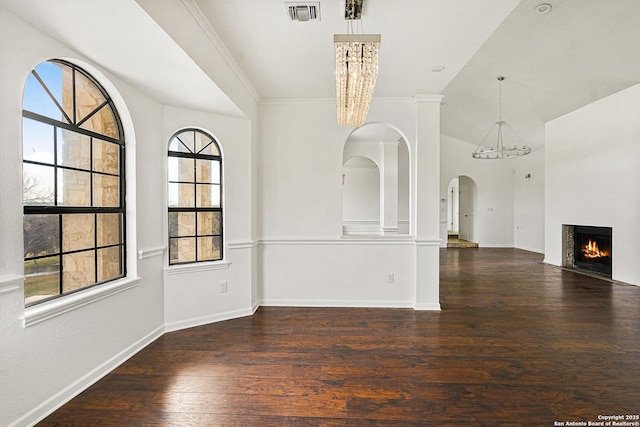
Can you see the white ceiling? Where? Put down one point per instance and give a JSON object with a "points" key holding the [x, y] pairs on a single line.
{"points": [[290, 60], [582, 51]]}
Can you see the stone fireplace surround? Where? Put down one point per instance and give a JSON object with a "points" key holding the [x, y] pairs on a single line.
{"points": [[568, 249]]}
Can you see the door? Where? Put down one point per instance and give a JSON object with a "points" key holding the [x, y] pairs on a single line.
{"points": [[452, 207], [466, 208]]}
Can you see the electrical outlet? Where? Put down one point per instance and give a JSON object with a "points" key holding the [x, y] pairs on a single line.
{"points": [[223, 287], [391, 278]]}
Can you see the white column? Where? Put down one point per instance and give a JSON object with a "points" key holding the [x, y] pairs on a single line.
{"points": [[427, 207], [389, 208]]}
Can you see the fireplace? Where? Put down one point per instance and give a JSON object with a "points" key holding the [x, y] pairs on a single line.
{"points": [[588, 248]]}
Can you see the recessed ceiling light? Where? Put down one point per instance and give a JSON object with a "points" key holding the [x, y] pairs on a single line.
{"points": [[437, 68], [543, 8]]}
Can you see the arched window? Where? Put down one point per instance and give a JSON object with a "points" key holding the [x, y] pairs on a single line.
{"points": [[73, 183], [195, 198]]}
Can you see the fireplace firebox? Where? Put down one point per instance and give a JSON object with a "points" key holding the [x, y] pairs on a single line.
{"points": [[588, 248]]}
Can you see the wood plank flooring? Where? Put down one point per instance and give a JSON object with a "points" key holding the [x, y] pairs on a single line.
{"points": [[517, 343]]}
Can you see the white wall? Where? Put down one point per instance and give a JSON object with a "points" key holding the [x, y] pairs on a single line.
{"points": [[304, 260], [528, 210], [192, 293], [297, 189], [300, 162], [494, 212], [339, 273], [592, 177], [361, 191], [187, 27], [44, 364], [47, 363]]}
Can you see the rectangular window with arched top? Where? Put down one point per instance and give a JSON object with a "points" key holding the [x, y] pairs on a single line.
{"points": [[195, 198], [73, 183]]}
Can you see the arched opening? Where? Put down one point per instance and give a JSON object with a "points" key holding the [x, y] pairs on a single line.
{"points": [[376, 156], [461, 212]]}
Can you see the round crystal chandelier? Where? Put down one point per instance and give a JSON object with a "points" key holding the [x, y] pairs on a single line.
{"points": [[500, 150]]}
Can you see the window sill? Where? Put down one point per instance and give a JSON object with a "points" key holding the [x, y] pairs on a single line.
{"points": [[196, 267], [51, 309]]}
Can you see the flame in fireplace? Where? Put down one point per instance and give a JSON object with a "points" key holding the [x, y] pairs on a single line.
{"points": [[591, 250]]}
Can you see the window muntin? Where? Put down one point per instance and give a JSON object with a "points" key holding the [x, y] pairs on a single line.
{"points": [[73, 183], [195, 198]]}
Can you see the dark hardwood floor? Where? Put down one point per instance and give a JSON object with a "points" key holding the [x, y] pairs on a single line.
{"points": [[517, 343]]}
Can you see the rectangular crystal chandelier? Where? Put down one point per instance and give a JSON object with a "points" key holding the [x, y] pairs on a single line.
{"points": [[356, 74]]}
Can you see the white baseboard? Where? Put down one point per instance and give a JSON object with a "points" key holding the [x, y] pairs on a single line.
{"points": [[427, 307], [336, 303], [204, 320], [534, 250], [66, 394], [255, 307], [495, 245]]}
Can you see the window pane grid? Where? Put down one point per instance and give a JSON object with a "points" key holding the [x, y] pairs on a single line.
{"points": [[197, 223], [182, 154], [92, 113], [89, 169], [72, 127], [195, 188], [53, 98], [191, 236], [206, 148], [80, 250], [35, 258], [85, 176], [48, 272], [31, 162], [188, 145]]}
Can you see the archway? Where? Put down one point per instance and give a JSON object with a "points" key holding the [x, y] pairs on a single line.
{"points": [[461, 212], [382, 146]]}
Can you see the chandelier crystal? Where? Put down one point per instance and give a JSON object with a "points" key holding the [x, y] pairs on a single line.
{"points": [[500, 150], [356, 75]]}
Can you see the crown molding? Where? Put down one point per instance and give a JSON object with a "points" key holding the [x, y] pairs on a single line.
{"points": [[428, 98], [205, 25]]}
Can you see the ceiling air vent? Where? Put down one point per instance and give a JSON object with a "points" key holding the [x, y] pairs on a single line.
{"points": [[303, 11]]}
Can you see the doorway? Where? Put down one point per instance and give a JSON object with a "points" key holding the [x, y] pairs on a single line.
{"points": [[461, 212]]}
